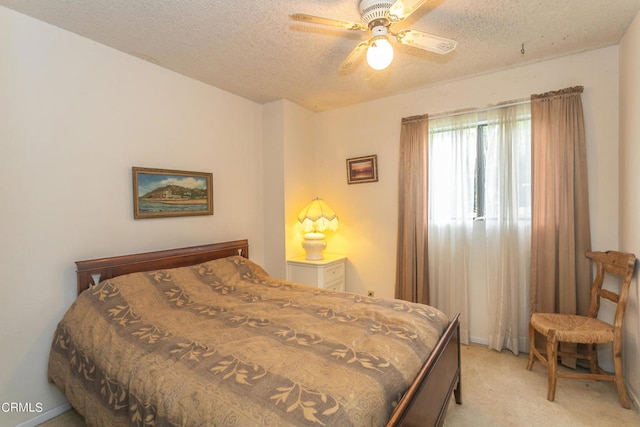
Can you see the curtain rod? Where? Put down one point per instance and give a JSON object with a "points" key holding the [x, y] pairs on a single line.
{"points": [[490, 107]]}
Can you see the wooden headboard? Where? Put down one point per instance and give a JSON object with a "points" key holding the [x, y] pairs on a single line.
{"points": [[90, 272]]}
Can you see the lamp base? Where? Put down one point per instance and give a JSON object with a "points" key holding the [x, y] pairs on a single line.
{"points": [[313, 245]]}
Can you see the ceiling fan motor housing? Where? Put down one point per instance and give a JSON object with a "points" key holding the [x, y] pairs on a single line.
{"points": [[374, 12]]}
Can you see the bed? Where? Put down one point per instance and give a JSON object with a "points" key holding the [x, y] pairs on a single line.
{"points": [[203, 336]]}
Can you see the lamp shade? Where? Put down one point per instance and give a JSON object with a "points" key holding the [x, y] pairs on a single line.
{"points": [[317, 216]]}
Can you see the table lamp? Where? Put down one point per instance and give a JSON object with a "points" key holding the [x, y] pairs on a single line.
{"points": [[315, 218]]}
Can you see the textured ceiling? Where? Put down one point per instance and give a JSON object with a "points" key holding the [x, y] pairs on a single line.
{"points": [[251, 48]]}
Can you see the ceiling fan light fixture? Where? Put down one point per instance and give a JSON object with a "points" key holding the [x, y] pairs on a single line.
{"points": [[379, 53], [377, 17]]}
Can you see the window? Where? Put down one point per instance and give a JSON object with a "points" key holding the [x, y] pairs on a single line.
{"points": [[479, 223], [481, 165], [476, 166]]}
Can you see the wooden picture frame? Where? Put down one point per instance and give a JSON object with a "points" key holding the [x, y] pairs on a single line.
{"points": [[166, 193], [362, 169]]}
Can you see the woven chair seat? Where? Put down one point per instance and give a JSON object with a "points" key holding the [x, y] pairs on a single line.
{"points": [[572, 328]]}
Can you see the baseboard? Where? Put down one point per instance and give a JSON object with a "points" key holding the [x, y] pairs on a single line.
{"points": [[635, 402], [46, 416], [523, 343]]}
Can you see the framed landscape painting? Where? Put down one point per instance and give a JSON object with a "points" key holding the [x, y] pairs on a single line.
{"points": [[163, 193], [362, 169]]}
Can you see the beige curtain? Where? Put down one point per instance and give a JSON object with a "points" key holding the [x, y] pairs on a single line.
{"points": [[560, 234], [412, 271]]}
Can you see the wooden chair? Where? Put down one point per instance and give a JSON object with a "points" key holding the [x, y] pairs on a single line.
{"points": [[587, 329]]}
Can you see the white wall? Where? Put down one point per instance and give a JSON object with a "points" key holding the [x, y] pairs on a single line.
{"points": [[368, 212], [75, 116], [274, 186], [301, 184], [289, 179], [629, 194]]}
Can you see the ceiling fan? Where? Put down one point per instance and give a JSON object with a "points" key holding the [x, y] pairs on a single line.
{"points": [[377, 17]]}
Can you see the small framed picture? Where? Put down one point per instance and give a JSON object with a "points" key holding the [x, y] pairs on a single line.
{"points": [[362, 169], [164, 192]]}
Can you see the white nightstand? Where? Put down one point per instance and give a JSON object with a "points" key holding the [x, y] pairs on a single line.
{"points": [[327, 273]]}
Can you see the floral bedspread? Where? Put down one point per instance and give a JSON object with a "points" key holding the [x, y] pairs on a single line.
{"points": [[223, 343]]}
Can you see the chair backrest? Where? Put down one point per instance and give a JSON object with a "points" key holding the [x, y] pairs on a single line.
{"points": [[619, 264]]}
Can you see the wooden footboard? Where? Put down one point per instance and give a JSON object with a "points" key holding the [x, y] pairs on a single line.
{"points": [[425, 402]]}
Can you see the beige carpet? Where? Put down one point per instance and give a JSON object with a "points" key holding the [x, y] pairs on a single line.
{"points": [[497, 391]]}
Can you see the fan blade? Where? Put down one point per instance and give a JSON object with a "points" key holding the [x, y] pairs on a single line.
{"points": [[401, 9], [426, 41], [354, 57], [327, 21]]}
